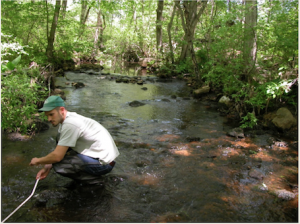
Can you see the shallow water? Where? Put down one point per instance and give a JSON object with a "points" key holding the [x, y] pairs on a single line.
{"points": [[161, 175]]}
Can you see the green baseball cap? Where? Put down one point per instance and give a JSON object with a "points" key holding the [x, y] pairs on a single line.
{"points": [[52, 102]]}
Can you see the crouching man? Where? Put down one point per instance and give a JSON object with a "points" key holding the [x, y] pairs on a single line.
{"points": [[85, 149]]}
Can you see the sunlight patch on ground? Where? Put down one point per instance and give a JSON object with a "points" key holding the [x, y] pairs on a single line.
{"points": [[181, 149], [166, 138], [182, 153]]}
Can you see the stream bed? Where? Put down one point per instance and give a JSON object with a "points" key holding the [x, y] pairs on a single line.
{"points": [[176, 163]]}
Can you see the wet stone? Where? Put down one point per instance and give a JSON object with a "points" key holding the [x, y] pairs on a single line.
{"points": [[78, 84], [143, 163], [136, 104], [256, 174], [50, 198], [236, 132], [285, 195]]}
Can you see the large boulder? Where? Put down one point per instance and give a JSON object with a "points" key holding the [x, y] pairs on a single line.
{"points": [[284, 119]]}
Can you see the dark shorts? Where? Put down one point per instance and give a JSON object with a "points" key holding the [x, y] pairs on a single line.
{"points": [[81, 167]]}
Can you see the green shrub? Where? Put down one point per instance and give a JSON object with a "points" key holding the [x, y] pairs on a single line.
{"points": [[249, 121], [18, 102], [184, 67]]}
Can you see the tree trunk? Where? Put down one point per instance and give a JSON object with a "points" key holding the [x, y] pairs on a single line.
{"points": [[228, 6], [49, 51], [250, 47], [85, 10], [212, 15], [159, 18], [64, 8], [134, 18], [189, 18], [170, 35], [98, 38]]}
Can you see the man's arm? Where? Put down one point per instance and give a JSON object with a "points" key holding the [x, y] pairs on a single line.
{"points": [[56, 156]]}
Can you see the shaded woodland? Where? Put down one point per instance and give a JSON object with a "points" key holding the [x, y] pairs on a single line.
{"points": [[245, 50]]}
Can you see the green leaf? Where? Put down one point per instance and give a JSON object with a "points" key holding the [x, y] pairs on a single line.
{"points": [[16, 60], [10, 66], [3, 68]]}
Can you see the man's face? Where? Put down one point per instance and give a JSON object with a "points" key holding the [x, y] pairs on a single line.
{"points": [[54, 116]]}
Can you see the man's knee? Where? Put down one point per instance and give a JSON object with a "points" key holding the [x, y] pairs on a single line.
{"points": [[68, 165]]}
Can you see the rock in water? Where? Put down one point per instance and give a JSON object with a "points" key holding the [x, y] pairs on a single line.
{"points": [[136, 104], [236, 132], [284, 194]]}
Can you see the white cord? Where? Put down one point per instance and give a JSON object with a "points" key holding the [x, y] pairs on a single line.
{"points": [[24, 201]]}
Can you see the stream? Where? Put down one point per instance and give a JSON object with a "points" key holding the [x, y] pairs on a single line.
{"points": [[176, 163]]}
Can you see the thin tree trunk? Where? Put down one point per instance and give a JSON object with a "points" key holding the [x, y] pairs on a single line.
{"points": [[212, 14], [159, 18], [51, 37], [98, 38], [189, 18], [170, 35], [64, 8], [85, 10], [134, 19], [47, 33], [250, 45], [228, 6]]}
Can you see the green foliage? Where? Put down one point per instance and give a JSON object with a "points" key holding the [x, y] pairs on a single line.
{"points": [[165, 71], [18, 101], [277, 87], [184, 66], [11, 65], [202, 57], [249, 121]]}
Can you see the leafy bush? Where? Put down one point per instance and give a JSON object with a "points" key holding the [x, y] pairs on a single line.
{"points": [[11, 65], [184, 66], [249, 121], [18, 102], [165, 71]]}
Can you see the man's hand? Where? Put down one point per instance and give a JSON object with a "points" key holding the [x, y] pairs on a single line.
{"points": [[34, 162], [43, 173]]}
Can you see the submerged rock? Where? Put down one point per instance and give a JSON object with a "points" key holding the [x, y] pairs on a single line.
{"points": [[136, 104], [50, 198], [256, 174], [193, 139]]}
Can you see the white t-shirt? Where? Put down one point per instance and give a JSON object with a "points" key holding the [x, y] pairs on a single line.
{"points": [[86, 136]]}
